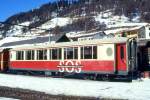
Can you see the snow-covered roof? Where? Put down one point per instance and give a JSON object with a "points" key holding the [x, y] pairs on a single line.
{"points": [[83, 34], [123, 29], [127, 25], [37, 40], [12, 39], [4, 98]]}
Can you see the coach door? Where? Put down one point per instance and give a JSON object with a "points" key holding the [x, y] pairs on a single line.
{"points": [[121, 61], [4, 60], [1, 60]]}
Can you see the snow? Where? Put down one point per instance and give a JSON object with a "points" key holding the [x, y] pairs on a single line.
{"points": [[17, 30], [136, 90], [113, 21], [109, 19], [27, 23], [73, 33], [58, 21], [136, 19], [3, 98]]}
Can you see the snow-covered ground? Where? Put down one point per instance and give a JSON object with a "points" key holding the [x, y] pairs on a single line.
{"points": [[137, 90]]}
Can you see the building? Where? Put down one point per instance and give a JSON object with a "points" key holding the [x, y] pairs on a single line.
{"points": [[147, 31], [138, 30], [133, 32]]}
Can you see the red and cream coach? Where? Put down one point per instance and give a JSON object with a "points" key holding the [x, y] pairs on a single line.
{"points": [[111, 57]]}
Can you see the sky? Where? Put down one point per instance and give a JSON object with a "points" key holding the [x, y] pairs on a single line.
{"points": [[11, 7]]}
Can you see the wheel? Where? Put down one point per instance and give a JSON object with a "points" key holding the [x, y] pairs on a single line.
{"points": [[105, 77]]}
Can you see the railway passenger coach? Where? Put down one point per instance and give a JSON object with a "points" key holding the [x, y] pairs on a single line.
{"points": [[115, 56]]}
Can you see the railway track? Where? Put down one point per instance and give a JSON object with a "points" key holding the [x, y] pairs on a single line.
{"points": [[24, 94]]}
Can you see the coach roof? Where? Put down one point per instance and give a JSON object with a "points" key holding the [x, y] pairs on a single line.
{"points": [[77, 43]]}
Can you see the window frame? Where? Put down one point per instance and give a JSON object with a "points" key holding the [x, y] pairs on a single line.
{"points": [[43, 55], [82, 52], [20, 55], [58, 54], [32, 54], [74, 53]]}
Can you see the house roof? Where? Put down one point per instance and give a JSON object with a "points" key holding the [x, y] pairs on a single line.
{"points": [[123, 29], [37, 40]]}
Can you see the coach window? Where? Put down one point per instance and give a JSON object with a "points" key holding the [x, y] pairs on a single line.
{"points": [[75, 52], [30, 55], [122, 52], [89, 52], [68, 53], [59, 53], [45, 54], [82, 52], [50, 54], [86, 52], [94, 52], [56, 54], [41, 54], [71, 53], [19, 55]]}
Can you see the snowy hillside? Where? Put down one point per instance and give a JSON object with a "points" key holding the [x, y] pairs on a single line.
{"points": [[74, 18], [136, 90], [58, 21], [17, 30], [106, 18]]}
